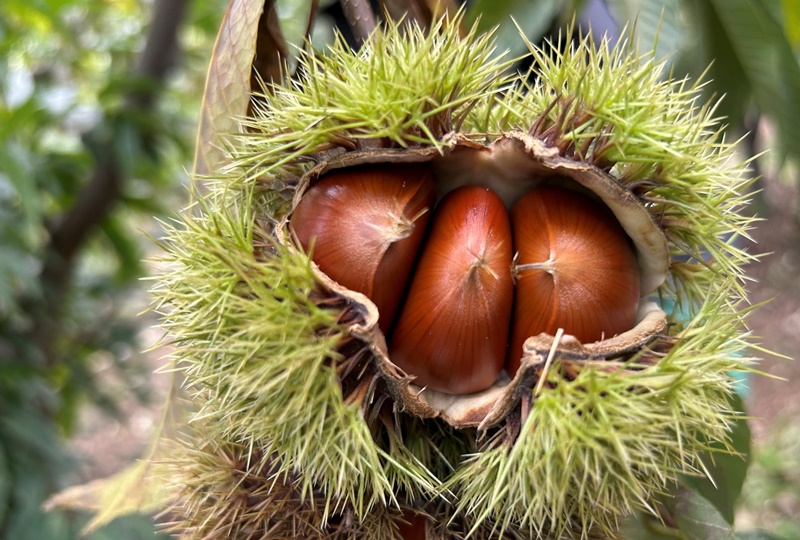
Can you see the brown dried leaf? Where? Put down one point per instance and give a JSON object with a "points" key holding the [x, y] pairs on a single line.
{"points": [[285, 27], [271, 49], [248, 25], [137, 489], [443, 8]]}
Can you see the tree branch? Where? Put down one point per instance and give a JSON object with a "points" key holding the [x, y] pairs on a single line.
{"points": [[98, 197], [360, 18], [69, 233]]}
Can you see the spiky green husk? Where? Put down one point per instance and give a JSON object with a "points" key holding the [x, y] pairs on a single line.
{"points": [[259, 341], [259, 353], [606, 441], [614, 108], [226, 490], [403, 89]]}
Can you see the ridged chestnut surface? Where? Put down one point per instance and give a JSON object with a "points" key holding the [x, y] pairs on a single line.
{"points": [[452, 332], [575, 270], [364, 227]]}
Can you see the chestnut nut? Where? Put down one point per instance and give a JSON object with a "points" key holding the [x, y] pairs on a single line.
{"points": [[480, 279], [575, 269], [453, 330], [366, 225]]}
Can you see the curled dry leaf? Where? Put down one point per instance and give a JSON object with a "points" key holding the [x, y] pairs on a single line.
{"points": [[226, 99]]}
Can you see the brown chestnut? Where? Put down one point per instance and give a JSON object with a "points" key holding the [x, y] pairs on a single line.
{"points": [[575, 269], [412, 526], [364, 226], [452, 332]]}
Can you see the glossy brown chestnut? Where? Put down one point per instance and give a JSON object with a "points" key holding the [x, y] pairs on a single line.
{"points": [[575, 270], [452, 332], [412, 526], [364, 226]]}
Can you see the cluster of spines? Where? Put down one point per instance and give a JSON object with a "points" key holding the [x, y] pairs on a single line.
{"points": [[617, 447], [259, 357], [405, 88], [225, 490], [259, 351]]}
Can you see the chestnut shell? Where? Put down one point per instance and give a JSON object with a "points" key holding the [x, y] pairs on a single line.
{"points": [[365, 226], [557, 232]]}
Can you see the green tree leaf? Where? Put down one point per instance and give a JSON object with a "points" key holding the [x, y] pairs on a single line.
{"points": [[296, 21], [658, 23], [641, 526], [16, 169], [534, 17], [791, 21], [756, 535], [697, 518], [727, 471], [713, 50], [125, 248], [690, 517], [758, 55]]}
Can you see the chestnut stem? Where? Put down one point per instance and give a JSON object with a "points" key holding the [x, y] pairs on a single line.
{"points": [[481, 264], [548, 266]]}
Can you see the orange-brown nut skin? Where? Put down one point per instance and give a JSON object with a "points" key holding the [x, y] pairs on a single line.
{"points": [[412, 527], [575, 270], [452, 332], [364, 227]]}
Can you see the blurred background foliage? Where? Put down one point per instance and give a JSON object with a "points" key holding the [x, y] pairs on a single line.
{"points": [[91, 148], [99, 101]]}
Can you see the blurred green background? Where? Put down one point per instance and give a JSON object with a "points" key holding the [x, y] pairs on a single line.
{"points": [[99, 101]]}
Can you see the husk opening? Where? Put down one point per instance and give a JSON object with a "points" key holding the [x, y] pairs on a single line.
{"points": [[511, 165]]}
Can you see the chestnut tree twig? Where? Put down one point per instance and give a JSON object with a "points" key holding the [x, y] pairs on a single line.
{"points": [[69, 232], [360, 17]]}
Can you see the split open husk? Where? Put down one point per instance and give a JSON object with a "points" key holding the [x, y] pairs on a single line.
{"points": [[511, 165]]}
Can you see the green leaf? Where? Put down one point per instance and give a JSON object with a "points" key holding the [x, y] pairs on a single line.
{"points": [[690, 518], [296, 19], [227, 91], [127, 144], [533, 16], [791, 21], [6, 485], [713, 50], [14, 120], [697, 519], [641, 526], [727, 471], [125, 247], [657, 23], [756, 535], [759, 46], [16, 168]]}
